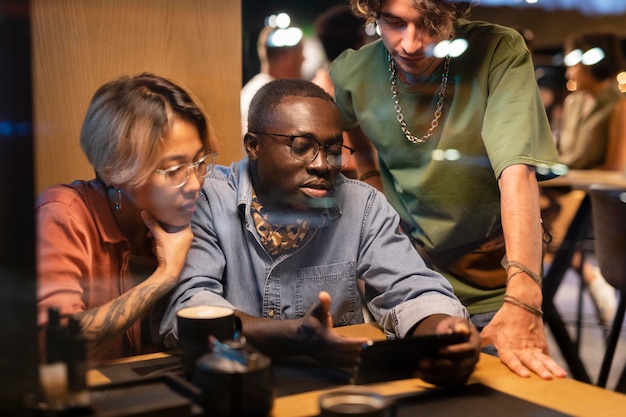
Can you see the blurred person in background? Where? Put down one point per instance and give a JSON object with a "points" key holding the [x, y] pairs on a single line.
{"points": [[280, 52], [110, 248], [338, 29], [592, 136], [594, 119]]}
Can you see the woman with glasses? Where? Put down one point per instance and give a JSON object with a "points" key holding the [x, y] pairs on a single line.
{"points": [[109, 248]]}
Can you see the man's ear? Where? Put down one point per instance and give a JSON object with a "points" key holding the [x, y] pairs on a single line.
{"points": [[251, 144]]}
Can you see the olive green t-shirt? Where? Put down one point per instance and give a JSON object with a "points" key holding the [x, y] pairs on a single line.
{"points": [[446, 189]]}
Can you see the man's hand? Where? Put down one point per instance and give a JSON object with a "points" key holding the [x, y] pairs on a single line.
{"points": [[516, 333], [315, 332], [520, 339], [455, 363]]}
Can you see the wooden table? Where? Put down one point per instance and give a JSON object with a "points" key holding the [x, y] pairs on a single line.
{"points": [[577, 231], [584, 178], [565, 395]]}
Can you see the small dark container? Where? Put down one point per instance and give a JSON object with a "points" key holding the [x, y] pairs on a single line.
{"points": [[245, 392]]}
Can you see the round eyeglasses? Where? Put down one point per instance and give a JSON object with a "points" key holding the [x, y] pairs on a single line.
{"points": [[178, 175], [306, 147]]}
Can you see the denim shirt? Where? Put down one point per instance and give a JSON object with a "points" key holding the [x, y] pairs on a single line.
{"points": [[355, 238]]}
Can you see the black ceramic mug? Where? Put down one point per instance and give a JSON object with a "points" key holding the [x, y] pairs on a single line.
{"points": [[196, 324]]}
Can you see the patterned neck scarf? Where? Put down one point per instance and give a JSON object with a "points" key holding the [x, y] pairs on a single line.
{"points": [[281, 237]]}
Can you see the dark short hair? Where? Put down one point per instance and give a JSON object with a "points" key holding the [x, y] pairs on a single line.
{"points": [[608, 41], [338, 29], [269, 53], [267, 99]]}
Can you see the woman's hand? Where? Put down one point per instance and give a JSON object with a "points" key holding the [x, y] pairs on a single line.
{"points": [[170, 247]]}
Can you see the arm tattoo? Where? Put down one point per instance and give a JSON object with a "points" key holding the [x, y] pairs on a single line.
{"points": [[102, 323]]}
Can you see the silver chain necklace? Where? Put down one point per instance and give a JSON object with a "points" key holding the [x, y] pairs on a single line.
{"points": [[396, 101]]}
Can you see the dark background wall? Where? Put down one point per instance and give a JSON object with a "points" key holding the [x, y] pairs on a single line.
{"points": [[18, 345], [550, 27]]}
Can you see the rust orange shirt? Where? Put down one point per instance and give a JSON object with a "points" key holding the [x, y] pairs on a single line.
{"points": [[82, 257]]}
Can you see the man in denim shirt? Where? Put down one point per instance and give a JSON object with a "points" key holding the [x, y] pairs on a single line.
{"points": [[282, 233]]}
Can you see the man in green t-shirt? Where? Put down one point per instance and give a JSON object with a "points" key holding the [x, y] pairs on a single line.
{"points": [[458, 145]]}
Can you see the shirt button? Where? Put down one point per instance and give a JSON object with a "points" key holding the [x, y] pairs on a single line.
{"points": [[271, 313]]}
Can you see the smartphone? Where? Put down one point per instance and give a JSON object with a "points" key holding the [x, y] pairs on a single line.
{"points": [[387, 360]]}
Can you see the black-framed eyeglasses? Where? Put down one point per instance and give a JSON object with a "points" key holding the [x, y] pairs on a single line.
{"points": [[307, 147], [178, 175]]}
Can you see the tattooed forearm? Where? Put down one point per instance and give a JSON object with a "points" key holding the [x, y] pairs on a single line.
{"points": [[114, 318]]}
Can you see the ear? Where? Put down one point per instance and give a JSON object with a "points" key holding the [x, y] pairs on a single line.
{"points": [[251, 144]]}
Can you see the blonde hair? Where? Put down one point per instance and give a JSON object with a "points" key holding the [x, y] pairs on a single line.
{"points": [[127, 122]]}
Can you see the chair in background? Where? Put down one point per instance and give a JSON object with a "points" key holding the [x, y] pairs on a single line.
{"points": [[608, 206]]}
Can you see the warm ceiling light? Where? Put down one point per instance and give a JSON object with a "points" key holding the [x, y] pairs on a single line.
{"points": [[570, 85], [280, 20], [284, 37], [573, 57], [593, 56], [590, 57], [283, 20], [454, 48]]}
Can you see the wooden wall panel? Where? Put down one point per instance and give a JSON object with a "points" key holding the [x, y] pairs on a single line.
{"points": [[78, 45]]}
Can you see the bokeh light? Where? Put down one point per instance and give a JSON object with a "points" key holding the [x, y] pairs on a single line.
{"points": [[284, 37], [453, 48]]}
